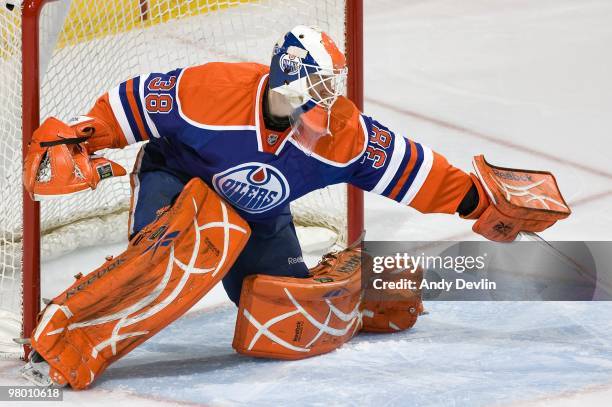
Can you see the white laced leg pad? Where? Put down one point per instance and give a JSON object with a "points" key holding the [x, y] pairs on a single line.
{"points": [[167, 268], [295, 318]]}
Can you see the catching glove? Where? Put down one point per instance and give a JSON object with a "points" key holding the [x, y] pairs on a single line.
{"points": [[58, 162]]}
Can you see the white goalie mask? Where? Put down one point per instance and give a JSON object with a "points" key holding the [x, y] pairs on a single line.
{"points": [[310, 72]]}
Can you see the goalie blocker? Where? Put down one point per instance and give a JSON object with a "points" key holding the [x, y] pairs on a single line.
{"points": [[514, 201]]}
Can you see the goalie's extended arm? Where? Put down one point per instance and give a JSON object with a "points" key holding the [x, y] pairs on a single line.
{"points": [[412, 174], [409, 172]]}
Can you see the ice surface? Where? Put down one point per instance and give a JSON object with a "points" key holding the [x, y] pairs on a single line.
{"points": [[472, 354], [527, 84]]}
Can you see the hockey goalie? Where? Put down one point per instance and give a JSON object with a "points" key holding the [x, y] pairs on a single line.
{"points": [[230, 145]]}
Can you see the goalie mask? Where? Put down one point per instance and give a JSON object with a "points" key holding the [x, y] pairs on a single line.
{"points": [[310, 72]]}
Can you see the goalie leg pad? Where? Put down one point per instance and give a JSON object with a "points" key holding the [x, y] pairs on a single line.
{"points": [[296, 318], [168, 267], [393, 310]]}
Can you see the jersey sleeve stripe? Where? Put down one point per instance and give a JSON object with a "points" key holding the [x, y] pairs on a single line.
{"points": [[141, 93], [397, 156], [119, 113], [140, 132], [406, 173], [127, 108], [400, 172], [413, 173], [145, 130], [421, 175]]}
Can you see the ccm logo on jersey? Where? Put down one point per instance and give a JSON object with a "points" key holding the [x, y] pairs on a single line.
{"points": [[252, 187]]}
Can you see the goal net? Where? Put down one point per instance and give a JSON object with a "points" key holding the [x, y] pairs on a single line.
{"points": [[88, 46]]}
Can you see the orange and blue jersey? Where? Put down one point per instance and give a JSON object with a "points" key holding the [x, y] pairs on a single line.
{"points": [[207, 121]]}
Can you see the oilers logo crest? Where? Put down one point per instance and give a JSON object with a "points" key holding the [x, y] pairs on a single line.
{"points": [[252, 187], [290, 64]]}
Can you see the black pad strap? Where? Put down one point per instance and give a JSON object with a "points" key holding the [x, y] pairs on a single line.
{"points": [[77, 140]]}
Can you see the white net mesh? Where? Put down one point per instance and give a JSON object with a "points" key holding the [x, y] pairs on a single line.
{"points": [[89, 46], [10, 177]]}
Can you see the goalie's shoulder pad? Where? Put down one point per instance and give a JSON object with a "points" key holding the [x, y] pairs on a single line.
{"points": [[295, 318], [219, 93]]}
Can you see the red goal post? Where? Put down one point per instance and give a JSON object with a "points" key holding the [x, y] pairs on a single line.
{"points": [[31, 10]]}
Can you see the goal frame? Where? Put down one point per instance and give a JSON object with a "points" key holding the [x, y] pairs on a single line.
{"points": [[31, 120]]}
